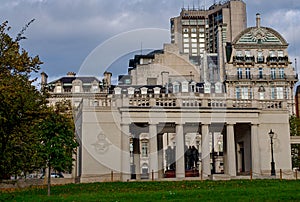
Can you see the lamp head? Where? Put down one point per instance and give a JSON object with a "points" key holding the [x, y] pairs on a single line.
{"points": [[271, 133]]}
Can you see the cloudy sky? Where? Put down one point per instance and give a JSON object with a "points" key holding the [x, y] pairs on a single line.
{"points": [[66, 33]]}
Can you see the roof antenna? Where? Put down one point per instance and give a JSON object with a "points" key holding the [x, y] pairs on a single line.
{"points": [[141, 48]]}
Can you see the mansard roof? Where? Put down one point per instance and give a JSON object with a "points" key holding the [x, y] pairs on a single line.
{"points": [[69, 80], [260, 36]]}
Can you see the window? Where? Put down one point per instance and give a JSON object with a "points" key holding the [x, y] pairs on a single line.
{"points": [[272, 93], [260, 72], [273, 73], [202, 45], [201, 29], [194, 40], [186, 45], [77, 89], [194, 50], [194, 35], [245, 94], [281, 73], [144, 148], [248, 53], [193, 30], [201, 35], [261, 95], [248, 73], [186, 40], [185, 30], [272, 53], [260, 57], [238, 93], [218, 87], [175, 87], [207, 88], [186, 35], [239, 53], [58, 89], [201, 40], [280, 53], [94, 88], [186, 50], [239, 73], [279, 92], [194, 45]]}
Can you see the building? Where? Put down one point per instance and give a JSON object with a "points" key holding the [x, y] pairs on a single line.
{"points": [[74, 88], [182, 117], [198, 30]]}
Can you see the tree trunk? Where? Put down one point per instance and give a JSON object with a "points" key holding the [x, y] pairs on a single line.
{"points": [[49, 179]]}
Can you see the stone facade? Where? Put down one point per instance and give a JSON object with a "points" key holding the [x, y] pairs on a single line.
{"points": [[176, 116]]}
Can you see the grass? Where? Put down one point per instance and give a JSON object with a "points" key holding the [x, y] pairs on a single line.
{"points": [[235, 190]]}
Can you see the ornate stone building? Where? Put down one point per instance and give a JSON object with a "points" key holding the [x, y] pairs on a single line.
{"points": [[176, 116]]}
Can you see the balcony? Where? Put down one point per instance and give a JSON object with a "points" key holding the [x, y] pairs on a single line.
{"points": [[277, 60], [262, 77], [238, 77], [244, 60], [171, 101]]}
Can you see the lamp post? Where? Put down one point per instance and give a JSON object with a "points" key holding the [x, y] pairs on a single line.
{"points": [[273, 173]]}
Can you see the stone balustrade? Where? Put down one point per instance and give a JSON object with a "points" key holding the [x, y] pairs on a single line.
{"points": [[182, 100]]}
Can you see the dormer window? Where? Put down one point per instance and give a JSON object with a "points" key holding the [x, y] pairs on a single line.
{"points": [[239, 53], [175, 87], [76, 89], [272, 53], [58, 89], [185, 86], [248, 53], [207, 88], [280, 53], [218, 87], [95, 88]]}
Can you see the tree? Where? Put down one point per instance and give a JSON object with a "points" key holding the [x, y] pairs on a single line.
{"points": [[58, 143], [295, 148], [20, 107], [32, 135]]}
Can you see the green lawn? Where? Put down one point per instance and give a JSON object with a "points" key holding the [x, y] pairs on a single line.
{"points": [[235, 190]]}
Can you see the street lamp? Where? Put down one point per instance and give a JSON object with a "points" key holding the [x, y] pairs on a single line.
{"points": [[273, 173]]}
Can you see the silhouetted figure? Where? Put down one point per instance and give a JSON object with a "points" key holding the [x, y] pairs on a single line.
{"points": [[195, 156], [169, 157], [189, 158]]}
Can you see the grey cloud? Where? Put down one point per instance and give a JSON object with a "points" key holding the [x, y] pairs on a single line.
{"points": [[66, 31]]}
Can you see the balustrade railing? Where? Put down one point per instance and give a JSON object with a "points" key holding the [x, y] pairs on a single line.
{"points": [[172, 101]]}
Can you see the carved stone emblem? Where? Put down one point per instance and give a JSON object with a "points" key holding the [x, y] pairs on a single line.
{"points": [[102, 145]]}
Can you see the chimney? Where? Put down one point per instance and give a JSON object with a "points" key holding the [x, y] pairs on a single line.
{"points": [[107, 78], [71, 74], [44, 81], [258, 20]]}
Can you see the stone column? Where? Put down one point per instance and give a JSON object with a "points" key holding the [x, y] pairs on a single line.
{"points": [[255, 150], [125, 153], [231, 158], [136, 157], [205, 152], [160, 157], [153, 151], [180, 171]]}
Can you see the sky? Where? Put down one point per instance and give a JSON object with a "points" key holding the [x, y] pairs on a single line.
{"points": [[67, 34]]}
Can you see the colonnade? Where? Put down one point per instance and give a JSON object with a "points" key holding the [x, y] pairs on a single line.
{"points": [[156, 156]]}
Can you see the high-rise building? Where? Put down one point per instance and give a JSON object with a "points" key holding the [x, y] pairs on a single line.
{"points": [[198, 30]]}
